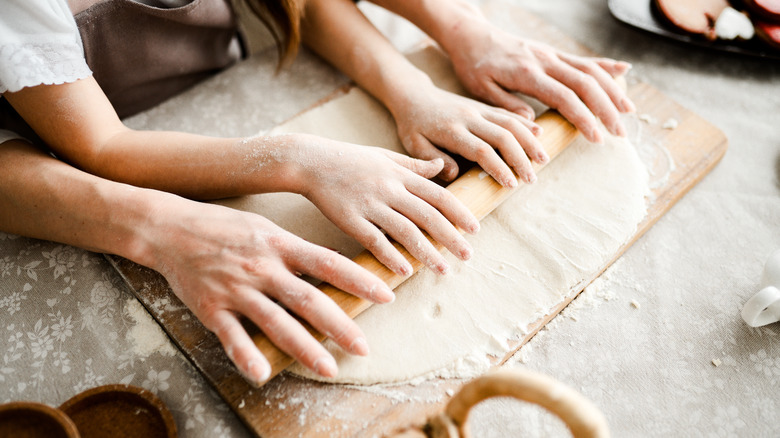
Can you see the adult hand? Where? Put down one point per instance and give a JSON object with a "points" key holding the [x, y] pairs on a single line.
{"points": [[492, 64], [365, 190], [432, 119], [226, 264]]}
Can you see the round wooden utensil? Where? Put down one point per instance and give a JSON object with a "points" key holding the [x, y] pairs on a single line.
{"points": [[35, 420], [120, 411]]}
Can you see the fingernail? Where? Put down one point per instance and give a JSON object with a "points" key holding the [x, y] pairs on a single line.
{"points": [[381, 294], [628, 106], [359, 346], [621, 129], [325, 366], [443, 268], [257, 373], [530, 178], [474, 228], [625, 65], [595, 136], [617, 129], [510, 182], [542, 158], [405, 270], [466, 252], [389, 294], [537, 130]]}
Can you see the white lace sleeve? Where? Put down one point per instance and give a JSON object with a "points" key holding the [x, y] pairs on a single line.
{"points": [[39, 44]]}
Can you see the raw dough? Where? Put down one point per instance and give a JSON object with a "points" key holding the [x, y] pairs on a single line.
{"points": [[530, 254]]}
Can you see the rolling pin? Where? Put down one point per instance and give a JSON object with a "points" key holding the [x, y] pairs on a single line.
{"points": [[478, 192]]}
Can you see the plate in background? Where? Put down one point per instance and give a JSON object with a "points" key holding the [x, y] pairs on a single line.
{"points": [[642, 14]]}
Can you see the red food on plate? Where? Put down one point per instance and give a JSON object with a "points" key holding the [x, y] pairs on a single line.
{"points": [[693, 16], [769, 32], [768, 10]]}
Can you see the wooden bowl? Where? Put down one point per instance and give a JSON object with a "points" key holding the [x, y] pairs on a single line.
{"points": [[120, 411], [35, 420]]}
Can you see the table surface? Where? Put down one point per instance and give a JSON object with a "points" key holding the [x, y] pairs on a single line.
{"points": [[641, 342]]}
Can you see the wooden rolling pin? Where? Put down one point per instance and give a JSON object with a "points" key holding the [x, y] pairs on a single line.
{"points": [[478, 192]]}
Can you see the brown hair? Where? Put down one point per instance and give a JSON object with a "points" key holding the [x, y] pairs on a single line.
{"points": [[283, 20]]}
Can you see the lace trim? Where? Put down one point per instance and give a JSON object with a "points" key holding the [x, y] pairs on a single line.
{"points": [[41, 62]]}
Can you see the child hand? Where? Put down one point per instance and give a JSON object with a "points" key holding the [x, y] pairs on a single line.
{"points": [[432, 118], [365, 190]]}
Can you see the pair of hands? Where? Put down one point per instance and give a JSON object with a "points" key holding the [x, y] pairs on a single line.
{"points": [[220, 276], [494, 65], [225, 264]]}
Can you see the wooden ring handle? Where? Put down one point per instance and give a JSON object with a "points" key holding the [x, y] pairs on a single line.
{"points": [[580, 415]]}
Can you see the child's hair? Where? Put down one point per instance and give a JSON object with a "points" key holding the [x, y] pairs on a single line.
{"points": [[283, 20]]}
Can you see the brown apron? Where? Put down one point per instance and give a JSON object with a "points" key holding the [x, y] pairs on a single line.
{"points": [[142, 54]]}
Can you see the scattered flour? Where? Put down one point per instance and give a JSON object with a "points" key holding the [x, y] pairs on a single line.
{"points": [[146, 335], [670, 123], [647, 118]]}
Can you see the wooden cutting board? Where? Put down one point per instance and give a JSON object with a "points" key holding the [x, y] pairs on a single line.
{"points": [[290, 406]]}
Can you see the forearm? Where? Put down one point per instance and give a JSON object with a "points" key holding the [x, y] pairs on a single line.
{"points": [[440, 19], [78, 123], [44, 198], [201, 167], [338, 31]]}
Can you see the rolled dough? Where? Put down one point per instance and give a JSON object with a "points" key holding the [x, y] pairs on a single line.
{"points": [[530, 254]]}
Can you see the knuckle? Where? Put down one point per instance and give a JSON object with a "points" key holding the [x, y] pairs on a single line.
{"points": [[301, 353], [407, 229], [257, 266], [325, 262], [546, 56], [568, 97], [506, 138], [339, 333], [482, 88], [277, 240], [272, 321], [371, 240], [442, 196], [364, 201], [208, 306], [588, 82], [527, 70], [386, 186], [449, 198], [218, 326], [530, 149], [481, 152], [517, 126], [305, 303], [589, 68]]}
